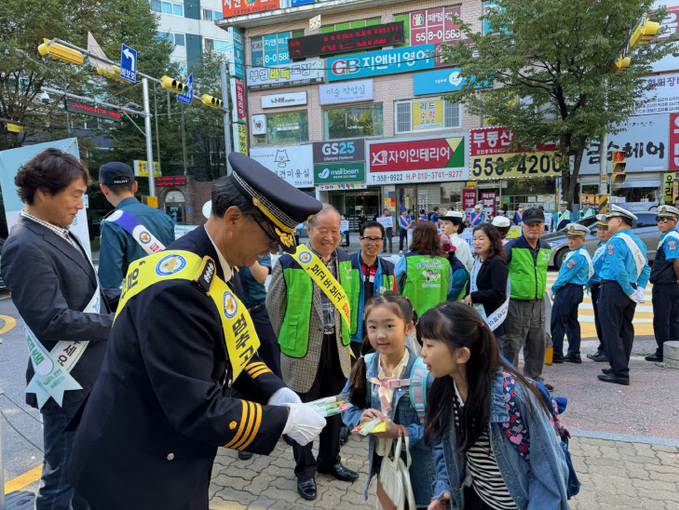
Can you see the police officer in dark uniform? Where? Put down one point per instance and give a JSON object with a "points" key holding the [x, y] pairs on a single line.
{"points": [[181, 344], [624, 275], [594, 284], [665, 280]]}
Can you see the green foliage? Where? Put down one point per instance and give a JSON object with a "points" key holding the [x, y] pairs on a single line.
{"points": [[549, 63], [22, 73]]}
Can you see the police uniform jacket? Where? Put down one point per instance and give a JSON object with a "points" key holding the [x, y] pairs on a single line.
{"points": [[119, 249], [662, 270], [163, 403], [51, 282]]}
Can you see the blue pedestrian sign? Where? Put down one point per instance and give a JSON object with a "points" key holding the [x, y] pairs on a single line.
{"points": [[128, 64], [187, 96]]}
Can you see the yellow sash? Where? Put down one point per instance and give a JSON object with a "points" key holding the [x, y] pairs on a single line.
{"points": [[241, 339], [322, 277]]}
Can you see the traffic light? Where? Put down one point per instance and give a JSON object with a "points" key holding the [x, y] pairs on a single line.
{"points": [[173, 85], [619, 164], [643, 34], [115, 75], [60, 52], [620, 64], [211, 101]]}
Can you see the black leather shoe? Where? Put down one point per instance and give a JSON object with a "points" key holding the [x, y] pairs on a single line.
{"points": [[244, 455], [572, 358], [598, 357], [607, 370], [344, 435], [340, 472], [557, 358], [307, 488], [653, 357], [612, 378]]}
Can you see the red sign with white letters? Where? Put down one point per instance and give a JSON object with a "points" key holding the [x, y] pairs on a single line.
{"points": [[240, 98], [674, 141]]}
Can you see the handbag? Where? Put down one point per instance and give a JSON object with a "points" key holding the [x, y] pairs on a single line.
{"points": [[394, 490]]}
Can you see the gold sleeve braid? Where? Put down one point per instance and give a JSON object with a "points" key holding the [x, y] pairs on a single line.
{"points": [[256, 369], [251, 419]]}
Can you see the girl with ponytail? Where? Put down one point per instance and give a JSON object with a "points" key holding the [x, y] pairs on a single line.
{"points": [[379, 387], [468, 418]]}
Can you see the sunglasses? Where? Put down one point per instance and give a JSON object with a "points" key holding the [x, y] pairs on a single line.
{"points": [[658, 219]]}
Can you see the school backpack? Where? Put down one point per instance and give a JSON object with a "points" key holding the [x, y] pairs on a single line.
{"points": [[516, 431], [417, 384]]}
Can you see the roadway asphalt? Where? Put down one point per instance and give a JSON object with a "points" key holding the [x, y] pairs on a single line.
{"points": [[625, 444]]}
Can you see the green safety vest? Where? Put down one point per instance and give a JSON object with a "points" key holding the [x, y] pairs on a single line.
{"points": [[528, 277], [426, 282], [294, 335]]}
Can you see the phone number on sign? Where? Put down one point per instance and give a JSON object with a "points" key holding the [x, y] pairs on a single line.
{"points": [[535, 165], [425, 175]]}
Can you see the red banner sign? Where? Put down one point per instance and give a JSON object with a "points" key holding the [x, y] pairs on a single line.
{"points": [[497, 140], [417, 155], [674, 141], [240, 7], [240, 98]]}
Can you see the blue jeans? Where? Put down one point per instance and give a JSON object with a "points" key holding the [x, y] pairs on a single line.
{"points": [[55, 493]]}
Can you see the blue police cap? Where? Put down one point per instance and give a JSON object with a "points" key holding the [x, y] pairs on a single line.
{"points": [[114, 173], [284, 206]]}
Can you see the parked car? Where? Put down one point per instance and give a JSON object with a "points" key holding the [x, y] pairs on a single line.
{"points": [[646, 228]]}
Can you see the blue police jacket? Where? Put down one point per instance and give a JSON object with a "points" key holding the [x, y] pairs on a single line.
{"points": [[597, 263], [534, 484], [575, 270], [119, 249], [663, 265], [422, 473], [618, 263], [384, 267]]}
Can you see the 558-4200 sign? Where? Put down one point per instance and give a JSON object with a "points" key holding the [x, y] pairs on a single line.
{"points": [[539, 164]]}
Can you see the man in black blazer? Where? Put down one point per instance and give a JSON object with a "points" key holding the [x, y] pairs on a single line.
{"points": [[67, 317], [164, 401]]}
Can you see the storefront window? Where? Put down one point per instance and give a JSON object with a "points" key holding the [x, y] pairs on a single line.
{"points": [[640, 196], [530, 193], [352, 122], [286, 127]]}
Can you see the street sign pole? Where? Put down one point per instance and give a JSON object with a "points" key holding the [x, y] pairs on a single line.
{"points": [[149, 143], [227, 114]]}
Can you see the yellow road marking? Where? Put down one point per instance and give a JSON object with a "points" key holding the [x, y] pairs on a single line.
{"points": [[24, 480], [9, 323]]}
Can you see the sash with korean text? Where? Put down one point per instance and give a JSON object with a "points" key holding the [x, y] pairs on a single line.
{"points": [[148, 242]]}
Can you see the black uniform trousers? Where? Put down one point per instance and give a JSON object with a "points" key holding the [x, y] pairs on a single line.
{"points": [[565, 319], [596, 292], [402, 238], [665, 313], [617, 312], [329, 381]]}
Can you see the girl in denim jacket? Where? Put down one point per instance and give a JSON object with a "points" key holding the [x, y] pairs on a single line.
{"points": [[389, 318], [482, 462]]}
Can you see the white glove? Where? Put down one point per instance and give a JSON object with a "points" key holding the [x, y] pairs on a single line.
{"points": [[640, 293], [635, 297], [304, 423], [282, 396]]}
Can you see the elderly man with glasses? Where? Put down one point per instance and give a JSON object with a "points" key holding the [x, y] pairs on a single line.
{"points": [[665, 280], [371, 275]]}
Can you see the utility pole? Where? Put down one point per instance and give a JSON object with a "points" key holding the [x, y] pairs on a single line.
{"points": [[149, 143], [227, 114], [155, 117]]}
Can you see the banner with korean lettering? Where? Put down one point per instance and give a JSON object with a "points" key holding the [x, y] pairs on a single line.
{"points": [[674, 142], [663, 98], [240, 7], [407, 160], [427, 114], [292, 163], [645, 139], [376, 63], [489, 146], [301, 73]]}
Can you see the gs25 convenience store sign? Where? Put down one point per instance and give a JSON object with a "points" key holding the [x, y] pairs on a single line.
{"points": [[406, 161], [488, 146]]}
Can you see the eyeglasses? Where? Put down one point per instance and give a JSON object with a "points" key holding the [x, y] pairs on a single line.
{"points": [[372, 239], [658, 219], [272, 239]]}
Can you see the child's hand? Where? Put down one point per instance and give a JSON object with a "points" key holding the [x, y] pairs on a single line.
{"points": [[440, 503], [370, 414], [393, 430]]}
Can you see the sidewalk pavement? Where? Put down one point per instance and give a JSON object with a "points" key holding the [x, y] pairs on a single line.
{"points": [[615, 475]]}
